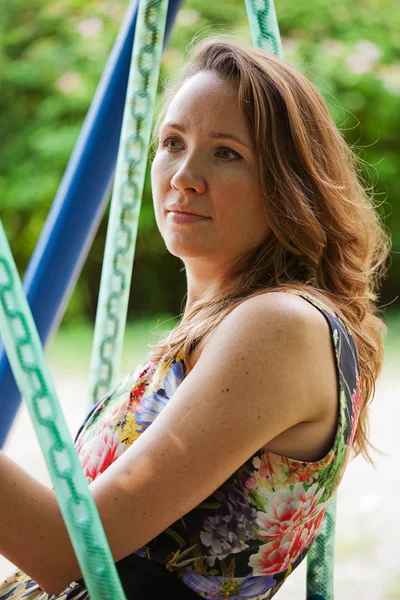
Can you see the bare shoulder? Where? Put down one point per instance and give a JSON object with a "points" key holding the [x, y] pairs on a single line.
{"points": [[284, 305], [288, 343], [267, 315]]}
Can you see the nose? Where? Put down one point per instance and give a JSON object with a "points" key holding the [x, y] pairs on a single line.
{"points": [[188, 178]]}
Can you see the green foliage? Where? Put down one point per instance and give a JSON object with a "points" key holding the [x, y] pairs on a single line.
{"points": [[51, 59], [139, 335]]}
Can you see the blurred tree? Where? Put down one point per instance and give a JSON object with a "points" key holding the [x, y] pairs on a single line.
{"points": [[52, 55]]}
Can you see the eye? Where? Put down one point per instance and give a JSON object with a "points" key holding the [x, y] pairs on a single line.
{"points": [[166, 141], [224, 149]]}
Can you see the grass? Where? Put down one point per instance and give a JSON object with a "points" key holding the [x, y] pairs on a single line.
{"points": [[362, 545], [392, 592], [392, 341], [72, 345]]}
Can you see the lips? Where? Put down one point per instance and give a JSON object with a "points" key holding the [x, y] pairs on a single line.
{"points": [[185, 210], [182, 217]]}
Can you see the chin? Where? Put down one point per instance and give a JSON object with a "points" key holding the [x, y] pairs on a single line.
{"points": [[184, 253], [185, 248]]}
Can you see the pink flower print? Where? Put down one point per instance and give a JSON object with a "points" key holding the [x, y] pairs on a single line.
{"points": [[99, 453], [356, 400], [265, 466], [356, 397], [287, 509], [276, 556], [269, 473], [111, 418], [306, 473], [312, 526], [251, 482]]}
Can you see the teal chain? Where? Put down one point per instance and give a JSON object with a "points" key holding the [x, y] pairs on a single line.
{"points": [[77, 506], [321, 557], [264, 26], [126, 200]]}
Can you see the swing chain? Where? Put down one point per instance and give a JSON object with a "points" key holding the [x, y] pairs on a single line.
{"points": [[39, 400], [264, 26], [129, 194]]}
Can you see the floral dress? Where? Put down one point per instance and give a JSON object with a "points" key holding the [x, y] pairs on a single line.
{"points": [[247, 537]]}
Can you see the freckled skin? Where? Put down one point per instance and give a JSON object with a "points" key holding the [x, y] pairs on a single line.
{"points": [[216, 177]]}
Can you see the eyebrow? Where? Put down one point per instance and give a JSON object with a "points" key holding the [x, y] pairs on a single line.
{"points": [[213, 134]]}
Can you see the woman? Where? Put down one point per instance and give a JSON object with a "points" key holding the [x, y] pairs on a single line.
{"points": [[259, 394]]}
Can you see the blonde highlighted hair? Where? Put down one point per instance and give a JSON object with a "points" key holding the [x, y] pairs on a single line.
{"points": [[326, 236]]}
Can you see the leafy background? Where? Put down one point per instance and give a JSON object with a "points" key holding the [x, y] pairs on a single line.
{"points": [[52, 57]]}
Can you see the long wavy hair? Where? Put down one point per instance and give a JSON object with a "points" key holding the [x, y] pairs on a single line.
{"points": [[326, 236]]}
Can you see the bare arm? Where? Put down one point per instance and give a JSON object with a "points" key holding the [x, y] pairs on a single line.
{"points": [[32, 531], [266, 352]]}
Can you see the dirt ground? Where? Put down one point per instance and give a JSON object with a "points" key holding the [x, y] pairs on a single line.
{"points": [[367, 564]]}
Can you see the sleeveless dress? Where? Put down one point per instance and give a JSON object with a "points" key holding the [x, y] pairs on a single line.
{"points": [[247, 537]]}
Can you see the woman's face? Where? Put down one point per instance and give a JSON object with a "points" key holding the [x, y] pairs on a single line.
{"points": [[215, 176]]}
